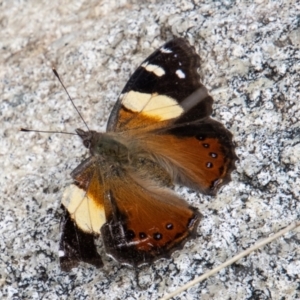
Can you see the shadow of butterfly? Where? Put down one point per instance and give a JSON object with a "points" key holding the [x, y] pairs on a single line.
{"points": [[159, 132]]}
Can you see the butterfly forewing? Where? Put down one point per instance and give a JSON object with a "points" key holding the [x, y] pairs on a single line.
{"points": [[157, 88], [76, 245], [83, 217]]}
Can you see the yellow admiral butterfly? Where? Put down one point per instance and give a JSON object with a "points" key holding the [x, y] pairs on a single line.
{"points": [[159, 132]]}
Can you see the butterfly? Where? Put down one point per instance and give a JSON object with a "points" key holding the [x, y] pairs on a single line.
{"points": [[159, 133]]}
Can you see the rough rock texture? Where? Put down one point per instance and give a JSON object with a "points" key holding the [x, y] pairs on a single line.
{"points": [[250, 64]]}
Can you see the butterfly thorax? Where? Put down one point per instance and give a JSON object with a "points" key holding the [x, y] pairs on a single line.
{"points": [[104, 145]]}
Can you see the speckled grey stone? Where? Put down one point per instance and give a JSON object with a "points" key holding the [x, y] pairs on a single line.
{"points": [[250, 64]]}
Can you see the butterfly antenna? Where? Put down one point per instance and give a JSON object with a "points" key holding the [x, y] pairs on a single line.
{"points": [[57, 76], [47, 131]]}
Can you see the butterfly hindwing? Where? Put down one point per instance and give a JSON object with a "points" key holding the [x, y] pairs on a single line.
{"points": [[199, 155], [145, 221]]}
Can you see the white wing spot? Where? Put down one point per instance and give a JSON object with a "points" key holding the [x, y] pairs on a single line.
{"points": [[61, 253], [180, 74], [165, 50], [157, 70]]}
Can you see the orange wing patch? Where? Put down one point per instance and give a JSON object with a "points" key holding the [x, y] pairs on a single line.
{"points": [[203, 164]]}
